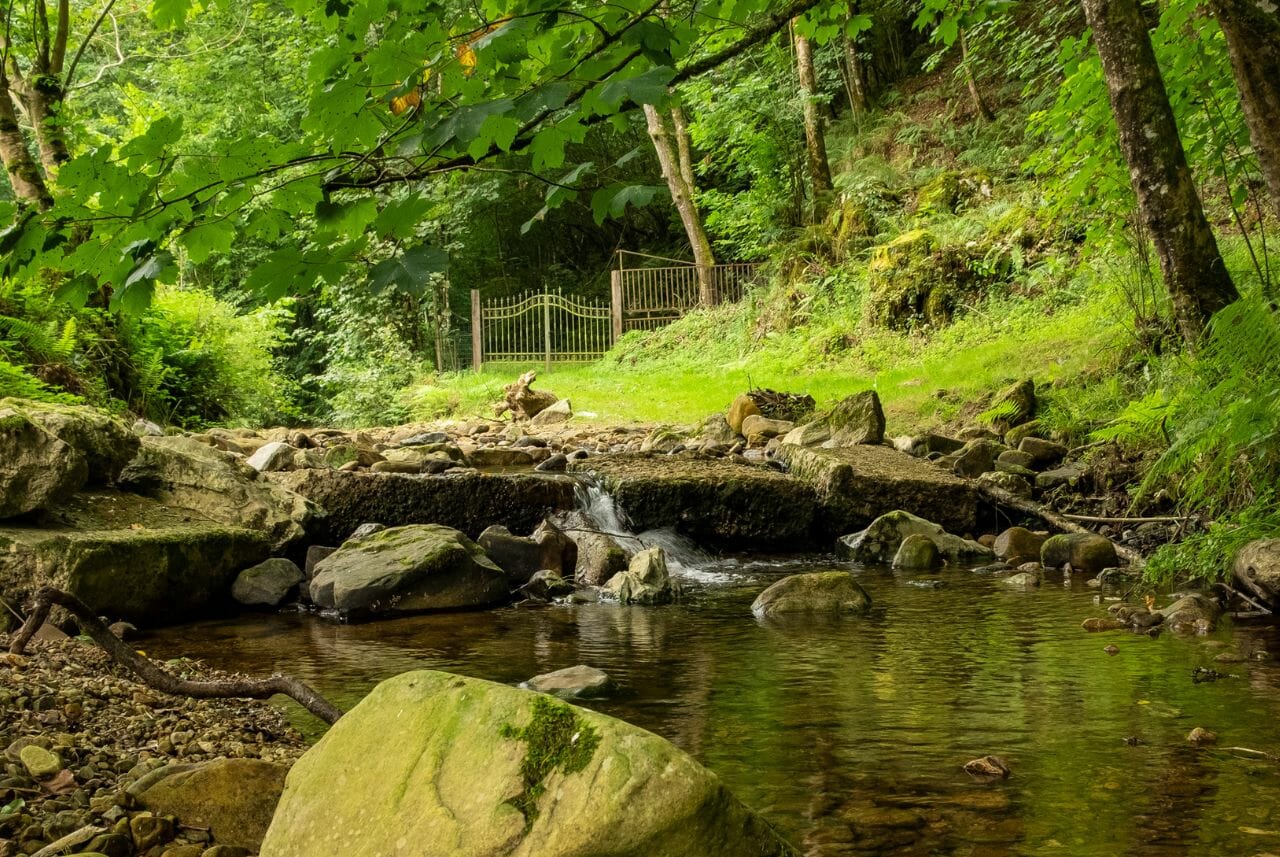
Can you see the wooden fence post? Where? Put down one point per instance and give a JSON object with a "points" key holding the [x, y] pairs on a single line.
{"points": [[477, 343], [615, 304]]}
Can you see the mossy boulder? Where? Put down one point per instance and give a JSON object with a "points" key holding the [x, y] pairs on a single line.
{"points": [[408, 570], [826, 592], [902, 279], [879, 543], [37, 470], [1014, 405], [435, 763], [1257, 569], [917, 552], [939, 195], [268, 583], [1088, 553], [106, 443], [856, 419], [233, 798]]}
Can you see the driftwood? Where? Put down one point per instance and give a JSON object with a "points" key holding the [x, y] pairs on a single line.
{"points": [[792, 407], [1052, 518], [1102, 519], [152, 675], [523, 403]]}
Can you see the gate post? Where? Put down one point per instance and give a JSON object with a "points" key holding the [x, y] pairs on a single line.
{"points": [[615, 303], [477, 344], [546, 329]]}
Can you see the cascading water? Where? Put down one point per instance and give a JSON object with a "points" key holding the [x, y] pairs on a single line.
{"points": [[684, 557]]}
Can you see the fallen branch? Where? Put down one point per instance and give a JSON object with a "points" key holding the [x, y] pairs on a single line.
{"points": [[1052, 518], [1271, 757], [1157, 519], [152, 675], [1245, 598]]}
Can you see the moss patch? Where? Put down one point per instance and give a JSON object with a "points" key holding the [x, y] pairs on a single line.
{"points": [[557, 739]]}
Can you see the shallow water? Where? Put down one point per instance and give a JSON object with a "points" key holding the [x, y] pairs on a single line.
{"points": [[850, 735]]}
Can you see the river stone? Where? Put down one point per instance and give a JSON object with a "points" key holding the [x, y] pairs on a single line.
{"points": [[546, 585], [809, 434], [580, 682], [1068, 474], [521, 557], [1014, 406], [1016, 484], [854, 420], [182, 472], [1023, 580], [1017, 545], [39, 762], [1041, 452], [646, 580], [561, 411], [834, 592], [500, 456], [976, 458], [1257, 568], [233, 798], [879, 543], [433, 763], [1192, 614], [267, 583], [408, 569], [37, 470], [741, 408], [759, 429], [663, 439], [272, 457], [916, 553], [1020, 460], [599, 555], [716, 431], [1088, 553]]}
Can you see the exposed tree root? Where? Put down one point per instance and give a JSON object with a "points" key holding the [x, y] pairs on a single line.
{"points": [[157, 678]]}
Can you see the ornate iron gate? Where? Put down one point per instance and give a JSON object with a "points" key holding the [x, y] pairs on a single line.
{"points": [[538, 326], [649, 298]]}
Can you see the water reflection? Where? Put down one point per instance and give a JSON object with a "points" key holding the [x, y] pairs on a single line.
{"points": [[850, 735]]}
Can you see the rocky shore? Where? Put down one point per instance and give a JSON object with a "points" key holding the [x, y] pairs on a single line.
{"points": [[97, 763]]}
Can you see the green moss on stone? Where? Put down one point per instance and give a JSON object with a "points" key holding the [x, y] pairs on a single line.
{"points": [[556, 739]]}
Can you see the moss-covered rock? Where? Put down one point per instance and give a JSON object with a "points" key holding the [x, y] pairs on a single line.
{"points": [[879, 542], [939, 195], [233, 798], [828, 592], [144, 575], [408, 570], [1088, 553], [431, 762], [901, 279], [37, 470], [646, 580], [106, 443]]}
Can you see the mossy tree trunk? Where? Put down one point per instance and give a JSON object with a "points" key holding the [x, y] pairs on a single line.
{"points": [[855, 78], [1252, 28], [21, 167], [1170, 207], [814, 133], [682, 197]]}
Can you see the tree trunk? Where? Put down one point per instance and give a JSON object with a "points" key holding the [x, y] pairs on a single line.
{"points": [[815, 139], [684, 148], [682, 196], [1252, 28], [42, 99], [855, 78], [1197, 280], [979, 103], [22, 169]]}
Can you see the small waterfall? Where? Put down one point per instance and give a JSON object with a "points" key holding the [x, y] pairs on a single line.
{"points": [[684, 557]]}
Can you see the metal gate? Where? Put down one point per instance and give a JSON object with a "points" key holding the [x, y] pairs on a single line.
{"points": [[538, 326], [649, 298]]}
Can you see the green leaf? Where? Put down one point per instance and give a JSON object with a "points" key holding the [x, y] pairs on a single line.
{"points": [[168, 14], [410, 272], [613, 200], [204, 240]]}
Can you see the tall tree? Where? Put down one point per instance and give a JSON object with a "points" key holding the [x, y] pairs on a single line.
{"points": [[814, 133], [672, 157], [23, 170], [1170, 207], [979, 103], [1252, 28]]}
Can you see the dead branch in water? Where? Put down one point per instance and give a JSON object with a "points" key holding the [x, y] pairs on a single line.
{"points": [[1052, 518], [152, 675], [1101, 519]]}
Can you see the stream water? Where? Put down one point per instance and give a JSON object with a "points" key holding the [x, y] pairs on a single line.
{"points": [[850, 735]]}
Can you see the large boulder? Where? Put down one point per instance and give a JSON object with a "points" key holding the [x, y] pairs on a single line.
{"points": [[917, 553], [1088, 553], [879, 543], [854, 420], [1192, 614], [646, 580], [273, 456], [742, 407], [233, 799], [432, 763], [758, 429], [181, 471], [1017, 545], [106, 443], [1013, 406], [407, 570], [559, 411], [267, 583], [830, 592], [37, 470], [1257, 568], [599, 555], [523, 556], [976, 458]]}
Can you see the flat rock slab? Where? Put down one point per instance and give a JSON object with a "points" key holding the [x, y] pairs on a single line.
{"points": [[468, 501], [713, 501], [580, 682], [143, 564], [856, 484]]}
